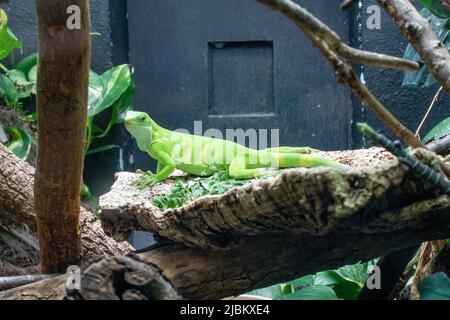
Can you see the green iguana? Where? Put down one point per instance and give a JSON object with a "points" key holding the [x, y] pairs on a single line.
{"points": [[204, 156]]}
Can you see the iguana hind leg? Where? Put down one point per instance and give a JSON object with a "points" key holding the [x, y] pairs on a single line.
{"points": [[239, 170]]}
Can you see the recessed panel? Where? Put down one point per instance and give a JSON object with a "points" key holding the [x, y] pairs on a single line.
{"points": [[241, 78]]}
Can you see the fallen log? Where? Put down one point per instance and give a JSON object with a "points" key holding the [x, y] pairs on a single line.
{"points": [[327, 220], [17, 206]]}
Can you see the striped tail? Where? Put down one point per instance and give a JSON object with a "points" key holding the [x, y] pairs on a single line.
{"points": [[292, 160]]}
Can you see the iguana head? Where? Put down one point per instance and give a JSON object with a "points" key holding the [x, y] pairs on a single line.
{"points": [[139, 125]]}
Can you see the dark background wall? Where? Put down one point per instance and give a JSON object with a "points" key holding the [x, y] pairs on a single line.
{"points": [[22, 20]]}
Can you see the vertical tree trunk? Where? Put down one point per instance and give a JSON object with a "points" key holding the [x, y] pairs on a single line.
{"points": [[63, 75]]}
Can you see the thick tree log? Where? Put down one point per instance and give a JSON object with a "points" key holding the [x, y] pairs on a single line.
{"points": [[327, 220], [299, 202], [17, 204], [62, 98]]}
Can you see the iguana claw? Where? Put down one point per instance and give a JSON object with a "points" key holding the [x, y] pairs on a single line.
{"points": [[146, 179]]}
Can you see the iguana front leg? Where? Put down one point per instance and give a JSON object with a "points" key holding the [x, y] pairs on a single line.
{"points": [[165, 168]]}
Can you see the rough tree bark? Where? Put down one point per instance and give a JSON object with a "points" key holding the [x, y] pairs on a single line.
{"points": [[419, 33], [63, 76], [272, 230], [17, 204]]}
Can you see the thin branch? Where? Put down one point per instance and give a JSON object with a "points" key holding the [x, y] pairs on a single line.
{"points": [[376, 59], [422, 123], [419, 33], [326, 41], [347, 4], [309, 23]]}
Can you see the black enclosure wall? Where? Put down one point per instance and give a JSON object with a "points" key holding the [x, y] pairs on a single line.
{"points": [[235, 64]]}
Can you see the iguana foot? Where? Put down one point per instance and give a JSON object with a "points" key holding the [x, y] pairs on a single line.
{"points": [[146, 179]]}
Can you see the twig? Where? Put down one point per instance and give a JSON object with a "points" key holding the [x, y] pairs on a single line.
{"points": [[419, 33], [436, 96], [416, 166], [347, 4], [7, 283], [306, 21], [327, 41]]}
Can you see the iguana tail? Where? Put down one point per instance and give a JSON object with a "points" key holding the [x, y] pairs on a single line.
{"points": [[293, 160]]}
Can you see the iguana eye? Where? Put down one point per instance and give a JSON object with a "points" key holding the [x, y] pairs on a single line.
{"points": [[142, 118]]}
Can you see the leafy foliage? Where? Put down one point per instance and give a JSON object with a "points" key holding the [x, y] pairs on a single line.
{"points": [[439, 131], [437, 8], [8, 41], [112, 90], [182, 193], [435, 287], [342, 284]]}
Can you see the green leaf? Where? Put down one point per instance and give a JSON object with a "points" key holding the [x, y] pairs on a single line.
{"points": [[102, 149], [312, 293], [23, 86], [301, 282], [32, 117], [272, 292], [439, 131], [32, 74], [437, 8], [8, 91], [435, 287], [27, 63], [8, 41], [124, 104], [115, 82], [355, 273], [95, 87], [19, 142]]}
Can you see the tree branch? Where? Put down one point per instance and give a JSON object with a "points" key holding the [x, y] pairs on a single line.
{"points": [[317, 29], [62, 97], [328, 43], [17, 204], [419, 33]]}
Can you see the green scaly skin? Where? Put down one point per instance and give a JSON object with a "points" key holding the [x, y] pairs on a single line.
{"points": [[204, 156]]}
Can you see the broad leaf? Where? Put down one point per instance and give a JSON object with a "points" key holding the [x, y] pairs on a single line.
{"points": [[441, 130], [95, 87], [312, 293], [19, 142], [437, 8], [8, 41], [272, 292], [32, 74], [115, 82], [8, 91], [27, 63], [435, 287], [21, 82]]}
